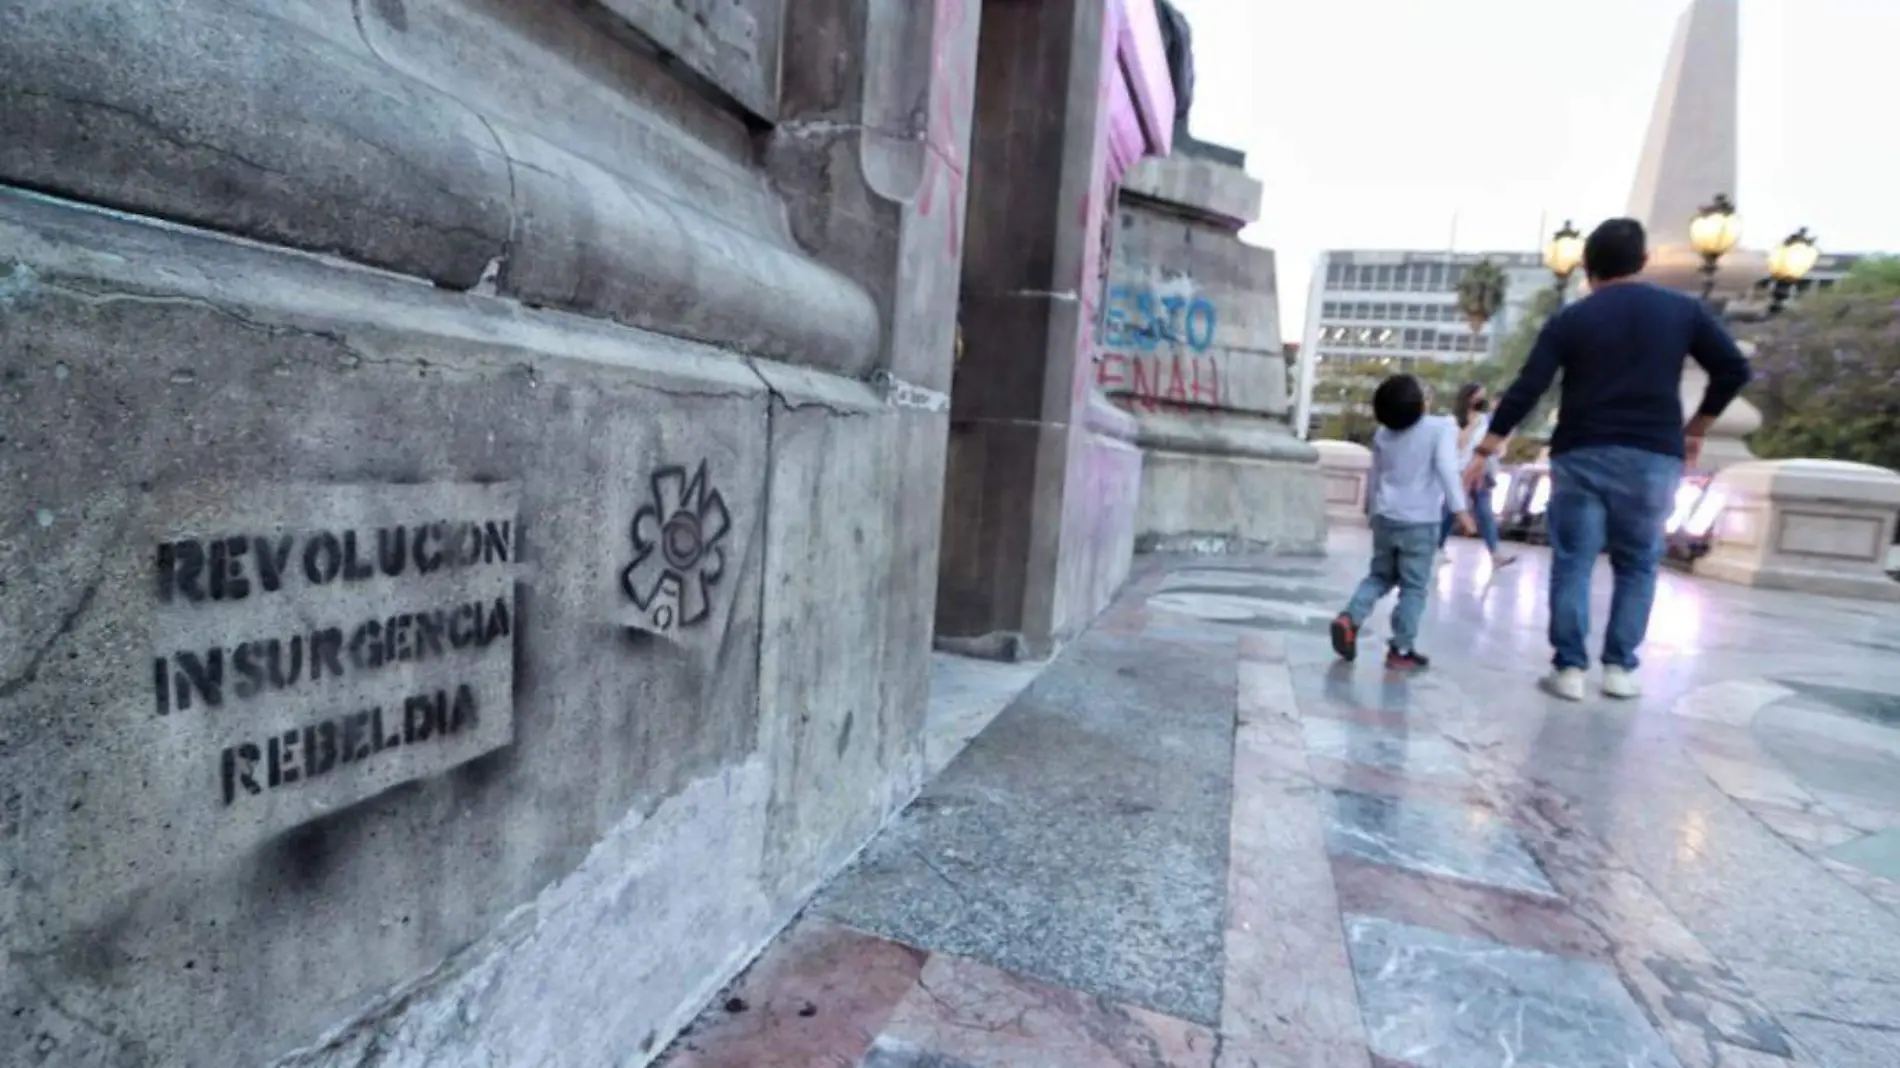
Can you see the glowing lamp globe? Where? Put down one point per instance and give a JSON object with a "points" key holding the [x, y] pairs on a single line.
{"points": [[1716, 229]]}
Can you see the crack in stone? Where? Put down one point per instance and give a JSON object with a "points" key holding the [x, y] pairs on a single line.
{"points": [[67, 622], [492, 280], [780, 398], [339, 338], [362, 30], [962, 894], [1859, 1025], [95, 298], [150, 123]]}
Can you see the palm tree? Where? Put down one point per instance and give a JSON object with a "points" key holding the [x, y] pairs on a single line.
{"points": [[1481, 294]]}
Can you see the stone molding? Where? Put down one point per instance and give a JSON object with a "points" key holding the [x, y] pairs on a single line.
{"points": [[232, 117], [1222, 433], [733, 44], [1106, 419], [1200, 502], [1199, 187]]}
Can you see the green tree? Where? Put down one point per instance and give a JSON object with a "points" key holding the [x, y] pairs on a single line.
{"points": [[1516, 346], [1446, 378], [1875, 275], [1481, 294], [1497, 374], [1828, 372], [1349, 387]]}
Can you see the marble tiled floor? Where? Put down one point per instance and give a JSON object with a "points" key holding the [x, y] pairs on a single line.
{"points": [[828, 995], [1198, 840]]}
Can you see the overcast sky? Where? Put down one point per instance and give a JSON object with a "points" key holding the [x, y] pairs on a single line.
{"points": [[1373, 122]]}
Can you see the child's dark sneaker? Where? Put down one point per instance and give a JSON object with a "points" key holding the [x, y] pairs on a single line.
{"points": [[1345, 637], [1407, 660]]}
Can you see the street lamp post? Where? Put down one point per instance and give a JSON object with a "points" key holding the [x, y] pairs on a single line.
{"points": [[1562, 253], [1789, 263], [1714, 232]]}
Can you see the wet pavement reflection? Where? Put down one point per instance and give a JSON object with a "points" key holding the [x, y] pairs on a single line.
{"points": [[1437, 870]]}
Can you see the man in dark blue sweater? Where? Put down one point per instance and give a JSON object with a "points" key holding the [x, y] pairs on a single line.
{"points": [[1620, 446]]}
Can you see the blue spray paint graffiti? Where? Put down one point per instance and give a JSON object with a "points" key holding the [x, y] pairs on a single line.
{"points": [[1140, 319]]}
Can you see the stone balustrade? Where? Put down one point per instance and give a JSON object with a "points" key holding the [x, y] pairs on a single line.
{"points": [[1344, 468], [1818, 526]]}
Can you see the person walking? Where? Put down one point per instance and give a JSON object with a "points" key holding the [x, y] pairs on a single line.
{"points": [[1469, 413], [1414, 475], [1620, 445]]}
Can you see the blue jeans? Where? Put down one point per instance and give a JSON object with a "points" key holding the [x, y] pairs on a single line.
{"points": [[1620, 498], [1401, 556], [1480, 511]]}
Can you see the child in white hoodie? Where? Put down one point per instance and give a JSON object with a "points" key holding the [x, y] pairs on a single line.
{"points": [[1413, 482]]}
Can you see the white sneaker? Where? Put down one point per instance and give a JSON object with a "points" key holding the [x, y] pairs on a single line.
{"points": [[1566, 683], [1620, 684]]}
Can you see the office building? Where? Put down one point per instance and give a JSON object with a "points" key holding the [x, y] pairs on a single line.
{"points": [[1373, 310]]}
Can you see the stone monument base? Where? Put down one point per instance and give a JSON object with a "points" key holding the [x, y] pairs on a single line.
{"points": [[1223, 482], [1817, 526]]}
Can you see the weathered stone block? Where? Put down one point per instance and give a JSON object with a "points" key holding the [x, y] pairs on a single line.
{"points": [[1227, 482], [732, 43], [1818, 526], [1197, 186], [1344, 469], [1101, 507], [1191, 343], [191, 404], [535, 808], [325, 642], [549, 69], [103, 100], [1221, 504], [856, 493], [989, 510], [1192, 318], [224, 115]]}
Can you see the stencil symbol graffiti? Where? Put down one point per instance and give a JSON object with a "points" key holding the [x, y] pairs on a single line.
{"points": [[678, 558]]}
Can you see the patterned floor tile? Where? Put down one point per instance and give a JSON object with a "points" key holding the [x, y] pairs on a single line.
{"points": [[1359, 778], [1438, 1000], [818, 997], [825, 996], [1875, 853], [1402, 752], [962, 1013], [1468, 843], [1466, 910], [1282, 911]]}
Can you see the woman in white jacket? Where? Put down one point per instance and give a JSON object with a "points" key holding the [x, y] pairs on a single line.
{"points": [[1470, 411]]}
